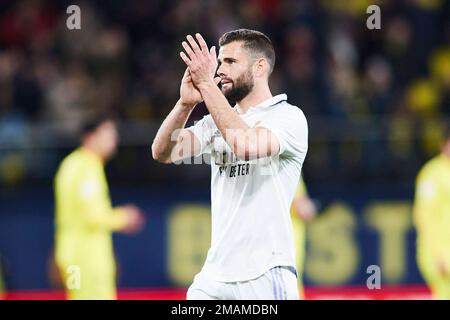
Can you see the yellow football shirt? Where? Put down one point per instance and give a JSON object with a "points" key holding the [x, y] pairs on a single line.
{"points": [[84, 224]]}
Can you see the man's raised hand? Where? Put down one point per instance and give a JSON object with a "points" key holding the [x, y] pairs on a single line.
{"points": [[201, 62], [189, 94]]}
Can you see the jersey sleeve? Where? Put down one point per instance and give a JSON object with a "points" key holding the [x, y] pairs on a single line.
{"points": [[203, 130], [95, 205], [291, 129]]}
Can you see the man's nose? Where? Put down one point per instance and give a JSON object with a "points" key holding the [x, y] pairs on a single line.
{"points": [[220, 71]]}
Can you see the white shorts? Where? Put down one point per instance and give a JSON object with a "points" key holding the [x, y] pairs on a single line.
{"points": [[279, 283]]}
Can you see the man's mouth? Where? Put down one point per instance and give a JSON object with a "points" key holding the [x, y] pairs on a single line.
{"points": [[226, 82]]}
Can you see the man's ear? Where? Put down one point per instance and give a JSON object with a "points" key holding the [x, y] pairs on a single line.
{"points": [[261, 67]]}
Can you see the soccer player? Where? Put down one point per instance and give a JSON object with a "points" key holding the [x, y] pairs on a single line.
{"points": [[257, 151], [85, 218], [432, 221], [303, 210]]}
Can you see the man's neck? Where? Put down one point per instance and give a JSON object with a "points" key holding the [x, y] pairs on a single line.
{"points": [[255, 97], [446, 155], [445, 150], [91, 150]]}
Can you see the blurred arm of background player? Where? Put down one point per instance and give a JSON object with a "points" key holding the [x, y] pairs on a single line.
{"points": [[96, 211], [135, 219], [304, 207], [99, 142], [127, 219]]}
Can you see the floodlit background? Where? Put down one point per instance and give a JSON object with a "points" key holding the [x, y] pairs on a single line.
{"points": [[375, 100]]}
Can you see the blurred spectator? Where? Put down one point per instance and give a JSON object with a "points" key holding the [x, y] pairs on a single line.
{"points": [[69, 97], [378, 86], [423, 97]]}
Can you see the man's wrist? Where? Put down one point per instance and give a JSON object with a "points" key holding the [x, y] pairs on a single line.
{"points": [[186, 106], [206, 85]]}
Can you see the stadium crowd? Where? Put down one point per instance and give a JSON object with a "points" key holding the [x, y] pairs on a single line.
{"points": [[376, 100]]}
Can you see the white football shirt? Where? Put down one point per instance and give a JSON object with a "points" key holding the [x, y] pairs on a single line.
{"points": [[251, 200]]}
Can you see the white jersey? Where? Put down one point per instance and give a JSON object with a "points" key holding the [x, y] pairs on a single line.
{"points": [[251, 200]]}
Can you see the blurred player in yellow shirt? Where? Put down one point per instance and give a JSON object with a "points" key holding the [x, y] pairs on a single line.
{"points": [[303, 210], [432, 220], [85, 219]]}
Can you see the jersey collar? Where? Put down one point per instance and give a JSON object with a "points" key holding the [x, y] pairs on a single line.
{"points": [[272, 101], [268, 103]]}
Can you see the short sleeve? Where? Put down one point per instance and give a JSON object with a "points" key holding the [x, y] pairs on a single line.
{"points": [[291, 129], [89, 188], [95, 206], [427, 189], [203, 130]]}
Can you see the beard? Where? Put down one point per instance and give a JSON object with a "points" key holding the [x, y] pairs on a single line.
{"points": [[240, 88]]}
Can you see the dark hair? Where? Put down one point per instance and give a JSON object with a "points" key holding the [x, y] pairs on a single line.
{"points": [[92, 123], [253, 41]]}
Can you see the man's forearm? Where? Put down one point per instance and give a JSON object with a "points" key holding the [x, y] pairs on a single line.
{"points": [[164, 141], [226, 119]]}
